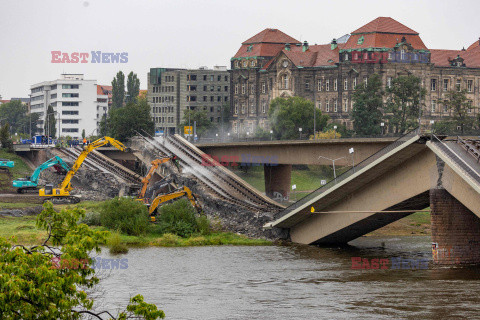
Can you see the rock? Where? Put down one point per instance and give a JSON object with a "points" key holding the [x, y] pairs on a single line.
{"points": [[11, 213]]}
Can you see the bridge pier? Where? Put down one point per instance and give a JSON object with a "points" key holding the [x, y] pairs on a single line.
{"points": [[455, 230], [277, 181]]}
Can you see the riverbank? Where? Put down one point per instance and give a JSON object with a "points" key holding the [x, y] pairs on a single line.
{"points": [[26, 233]]}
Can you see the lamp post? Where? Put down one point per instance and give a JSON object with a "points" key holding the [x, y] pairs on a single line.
{"points": [[382, 125], [351, 151], [271, 135], [333, 162], [335, 131], [300, 132]]}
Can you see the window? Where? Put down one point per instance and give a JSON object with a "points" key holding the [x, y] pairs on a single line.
{"points": [[307, 85], [402, 54], [365, 81], [285, 81], [245, 64], [212, 77], [211, 109], [433, 84], [335, 106], [235, 127], [219, 78], [470, 85], [69, 86], [389, 82], [225, 98], [263, 87], [69, 95], [219, 88], [319, 85], [70, 104], [252, 64], [219, 99], [243, 108], [69, 113], [445, 108], [445, 84], [243, 88], [226, 88], [212, 88], [70, 121], [236, 88], [252, 89], [235, 110], [53, 96], [204, 98], [204, 77], [346, 56], [434, 105], [226, 78], [327, 85], [335, 82], [69, 130], [354, 82], [345, 105], [54, 87], [327, 106], [264, 106], [211, 98], [236, 66], [345, 84], [459, 84]]}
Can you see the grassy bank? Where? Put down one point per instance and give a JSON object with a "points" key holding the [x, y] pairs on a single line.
{"points": [[21, 169]]}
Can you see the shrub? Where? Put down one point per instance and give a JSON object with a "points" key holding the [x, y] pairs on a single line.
{"points": [[203, 225], [125, 215], [92, 219], [177, 218], [115, 244], [168, 240]]}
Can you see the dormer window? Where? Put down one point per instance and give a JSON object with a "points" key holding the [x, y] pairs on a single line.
{"points": [[245, 64], [252, 64], [346, 56], [249, 48], [237, 64], [402, 54], [360, 40]]}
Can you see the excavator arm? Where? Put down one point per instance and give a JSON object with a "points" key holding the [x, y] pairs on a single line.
{"points": [[89, 148], [155, 164], [31, 182], [63, 191], [159, 200]]}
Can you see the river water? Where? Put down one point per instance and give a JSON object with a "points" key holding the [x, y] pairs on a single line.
{"points": [[293, 282]]}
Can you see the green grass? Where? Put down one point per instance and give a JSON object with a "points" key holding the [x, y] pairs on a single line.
{"points": [[23, 228], [17, 205], [21, 169], [306, 178]]}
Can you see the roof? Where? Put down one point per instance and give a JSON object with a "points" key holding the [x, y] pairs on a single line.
{"points": [[383, 40], [271, 36], [4, 101], [441, 57], [315, 56], [385, 25], [104, 90], [267, 43], [474, 45]]}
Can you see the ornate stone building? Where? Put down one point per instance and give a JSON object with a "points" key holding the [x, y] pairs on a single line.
{"points": [[272, 64]]}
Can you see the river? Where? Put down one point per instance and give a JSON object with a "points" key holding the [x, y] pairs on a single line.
{"points": [[293, 282]]}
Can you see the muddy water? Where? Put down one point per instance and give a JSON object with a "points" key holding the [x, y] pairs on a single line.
{"points": [[294, 282]]}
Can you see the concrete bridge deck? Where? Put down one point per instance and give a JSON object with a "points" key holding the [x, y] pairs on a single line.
{"points": [[399, 178]]}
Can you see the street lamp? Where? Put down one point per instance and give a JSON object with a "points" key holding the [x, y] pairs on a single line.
{"points": [[351, 151], [300, 132], [335, 131], [382, 125], [271, 135], [333, 162]]}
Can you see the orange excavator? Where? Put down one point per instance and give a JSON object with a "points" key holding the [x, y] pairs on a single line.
{"points": [[146, 180]]}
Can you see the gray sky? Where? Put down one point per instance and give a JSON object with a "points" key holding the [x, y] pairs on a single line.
{"points": [[189, 34]]}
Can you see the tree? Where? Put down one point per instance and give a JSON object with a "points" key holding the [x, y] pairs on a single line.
{"points": [[367, 107], [459, 106], [50, 123], [124, 122], [403, 103], [16, 114], [48, 281], [83, 134], [133, 87], [118, 90], [286, 116], [5, 139], [203, 124]]}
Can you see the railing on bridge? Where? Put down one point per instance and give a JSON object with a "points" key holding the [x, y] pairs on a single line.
{"points": [[350, 172], [454, 157]]}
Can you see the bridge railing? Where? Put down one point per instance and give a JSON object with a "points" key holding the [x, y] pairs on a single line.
{"points": [[350, 172], [457, 159]]}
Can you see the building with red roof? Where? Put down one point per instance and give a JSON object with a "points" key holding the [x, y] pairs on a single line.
{"points": [[273, 64]]}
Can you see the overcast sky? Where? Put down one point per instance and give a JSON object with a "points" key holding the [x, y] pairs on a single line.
{"points": [[189, 34]]}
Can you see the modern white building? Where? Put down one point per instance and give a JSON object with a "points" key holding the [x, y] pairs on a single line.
{"points": [[76, 102]]}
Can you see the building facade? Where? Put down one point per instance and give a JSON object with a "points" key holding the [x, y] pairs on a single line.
{"points": [[171, 91], [272, 64], [78, 104]]}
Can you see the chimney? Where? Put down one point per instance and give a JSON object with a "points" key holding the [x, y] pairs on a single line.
{"points": [[305, 46], [479, 41], [334, 44], [287, 46]]}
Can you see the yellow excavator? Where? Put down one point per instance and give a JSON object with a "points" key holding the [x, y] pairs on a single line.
{"points": [[62, 193], [145, 181], [163, 198]]}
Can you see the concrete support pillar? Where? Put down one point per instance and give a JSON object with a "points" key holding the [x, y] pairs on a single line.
{"points": [[277, 181], [455, 230]]}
